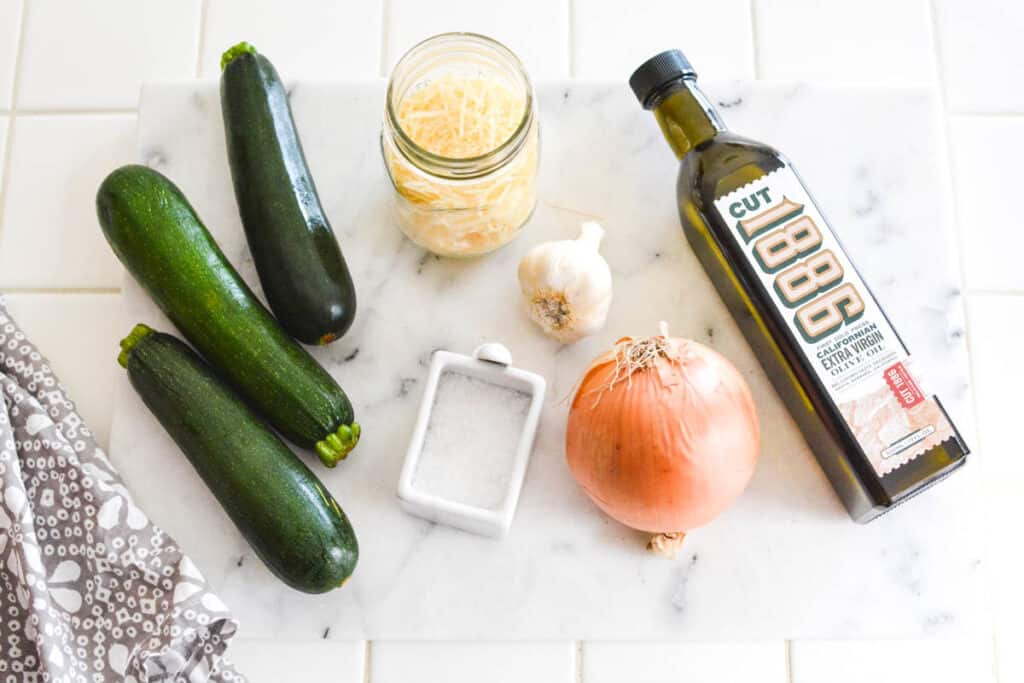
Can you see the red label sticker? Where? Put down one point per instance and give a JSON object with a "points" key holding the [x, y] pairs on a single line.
{"points": [[903, 386]]}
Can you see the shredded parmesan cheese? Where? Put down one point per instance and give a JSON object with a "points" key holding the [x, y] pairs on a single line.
{"points": [[461, 118]]}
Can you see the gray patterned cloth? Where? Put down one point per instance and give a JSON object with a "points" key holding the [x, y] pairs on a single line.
{"points": [[90, 590]]}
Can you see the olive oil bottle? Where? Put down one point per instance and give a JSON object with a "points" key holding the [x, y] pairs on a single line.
{"points": [[819, 333]]}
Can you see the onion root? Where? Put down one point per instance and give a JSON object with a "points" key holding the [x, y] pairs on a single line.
{"points": [[667, 545]]}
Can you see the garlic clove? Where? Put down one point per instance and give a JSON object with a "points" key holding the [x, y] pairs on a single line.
{"points": [[567, 285]]}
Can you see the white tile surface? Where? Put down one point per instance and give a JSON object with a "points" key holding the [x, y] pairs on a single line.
{"points": [[981, 52], [684, 663], [275, 661], [4, 126], [49, 236], [1009, 653], [472, 662], [906, 661], [79, 334], [303, 38], [10, 23], [986, 154], [997, 325], [876, 41], [536, 30], [95, 54], [600, 48]]}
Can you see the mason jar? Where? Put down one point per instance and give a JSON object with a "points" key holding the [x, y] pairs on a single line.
{"points": [[460, 142]]}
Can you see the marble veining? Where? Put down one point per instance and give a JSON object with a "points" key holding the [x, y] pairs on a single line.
{"points": [[785, 561]]}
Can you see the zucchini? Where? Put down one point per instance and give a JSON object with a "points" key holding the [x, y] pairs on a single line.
{"points": [[283, 511], [161, 241], [300, 265]]}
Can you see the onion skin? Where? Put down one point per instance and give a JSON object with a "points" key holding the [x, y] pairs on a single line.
{"points": [[669, 449]]}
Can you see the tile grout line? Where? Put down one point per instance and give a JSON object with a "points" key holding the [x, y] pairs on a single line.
{"points": [[995, 654], [201, 36], [19, 56], [385, 13], [570, 12], [96, 111], [755, 43], [382, 65], [61, 290], [5, 163], [983, 291], [985, 114], [936, 37], [940, 63]]}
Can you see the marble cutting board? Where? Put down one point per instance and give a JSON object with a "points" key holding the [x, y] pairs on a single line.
{"points": [[785, 561]]}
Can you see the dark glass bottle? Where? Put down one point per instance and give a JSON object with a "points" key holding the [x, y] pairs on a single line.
{"points": [[819, 333]]}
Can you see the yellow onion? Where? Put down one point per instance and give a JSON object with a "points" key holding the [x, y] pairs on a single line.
{"points": [[663, 435]]}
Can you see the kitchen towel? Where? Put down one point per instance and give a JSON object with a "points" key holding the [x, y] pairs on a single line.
{"points": [[90, 589]]}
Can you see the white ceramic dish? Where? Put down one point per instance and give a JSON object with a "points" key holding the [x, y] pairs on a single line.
{"points": [[490, 363]]}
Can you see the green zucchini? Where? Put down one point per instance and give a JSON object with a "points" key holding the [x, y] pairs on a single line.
{"points": [[283, 511], [161, 241], [300, 265]]}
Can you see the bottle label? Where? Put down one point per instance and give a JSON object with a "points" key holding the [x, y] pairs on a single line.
{"points": [[837, 323]]}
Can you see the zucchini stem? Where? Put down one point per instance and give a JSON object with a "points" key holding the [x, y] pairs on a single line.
{"points": [[138, 333], [335, 447], [235, 51]]}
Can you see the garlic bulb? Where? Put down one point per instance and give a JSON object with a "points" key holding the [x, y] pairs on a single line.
{"points": [[567, 285]]}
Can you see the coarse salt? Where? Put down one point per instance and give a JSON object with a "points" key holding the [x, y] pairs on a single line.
{"points": [[470, 444]]}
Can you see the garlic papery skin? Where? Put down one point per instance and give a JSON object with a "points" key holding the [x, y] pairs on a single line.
{"points": [[567, 285]]}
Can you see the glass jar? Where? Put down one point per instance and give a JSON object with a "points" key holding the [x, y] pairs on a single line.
{"points": [[460, 142]]}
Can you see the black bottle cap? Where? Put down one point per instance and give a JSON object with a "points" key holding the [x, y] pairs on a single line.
{"points": [[657, 72]]}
